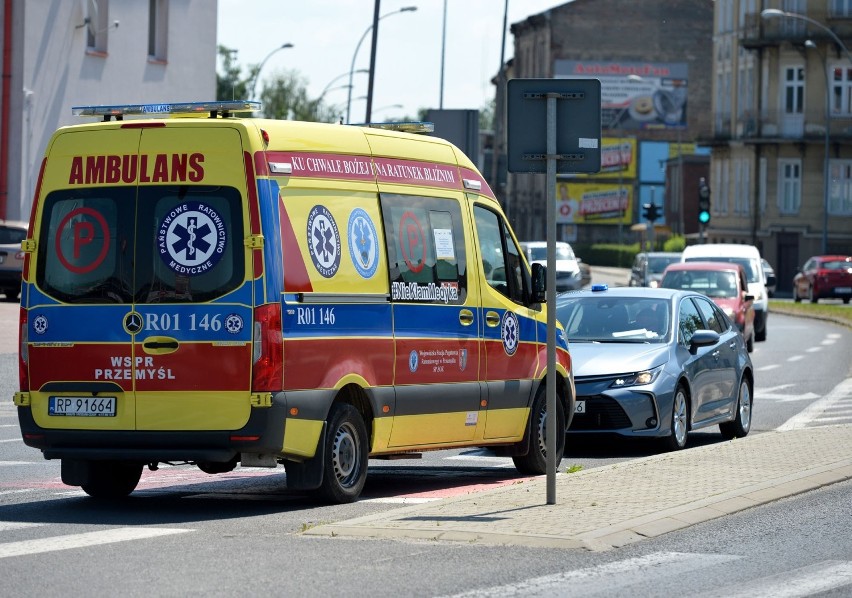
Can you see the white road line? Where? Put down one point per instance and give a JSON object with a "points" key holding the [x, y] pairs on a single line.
{"points": [[805, 581], [796, 358], [766, 368], [2, 463], [813, 349], [12, 440], [8, 425], [10, 525], [815, 410], [605, 579], [110, 536], [17, 491]]}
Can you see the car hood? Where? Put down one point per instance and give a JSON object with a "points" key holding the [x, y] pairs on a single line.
{"points": [[600, 359]]}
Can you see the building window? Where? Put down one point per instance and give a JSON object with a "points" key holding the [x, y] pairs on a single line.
{"points": [[789, 186], [157, 28], [794, 89], [742, 186], [97, 25], [840, 8], [841, 90], [762, 180], [840, 195]]}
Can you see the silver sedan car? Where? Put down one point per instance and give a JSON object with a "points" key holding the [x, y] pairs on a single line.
{"points": [[655, 363]]}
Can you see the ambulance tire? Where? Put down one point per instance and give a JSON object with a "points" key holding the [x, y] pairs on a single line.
{"points": [[347, 451], [112, 479], [535, 461]]}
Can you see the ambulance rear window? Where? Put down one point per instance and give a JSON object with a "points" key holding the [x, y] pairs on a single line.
{"points": [[165, 244]]}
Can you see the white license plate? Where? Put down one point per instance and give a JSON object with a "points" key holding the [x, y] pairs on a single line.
{"points": [[844, 290], [580, 407], [82, 406]]}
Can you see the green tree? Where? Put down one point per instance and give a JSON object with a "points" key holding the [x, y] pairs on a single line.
{"points": [[229, 84], [285, 96]]}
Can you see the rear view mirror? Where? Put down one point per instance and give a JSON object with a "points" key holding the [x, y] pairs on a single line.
{"points": [[771, 281], [539, 284]]}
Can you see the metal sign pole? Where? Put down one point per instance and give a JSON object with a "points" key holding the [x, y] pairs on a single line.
{"points": [[551, 298]]}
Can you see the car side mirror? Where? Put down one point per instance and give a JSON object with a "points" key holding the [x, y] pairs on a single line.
{"points": [[748, 297], [703, 338], [539, 284], [771, 280]]}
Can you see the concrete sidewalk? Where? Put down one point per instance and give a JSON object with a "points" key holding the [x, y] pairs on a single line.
{"points": [[614, 505]]}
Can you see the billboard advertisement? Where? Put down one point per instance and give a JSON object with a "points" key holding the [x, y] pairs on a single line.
{"points": [[635, 95], [618, 159], [594, 203]]}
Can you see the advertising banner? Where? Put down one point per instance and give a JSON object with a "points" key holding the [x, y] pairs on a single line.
{"points": [[618, 159], [594, 203], [635, 95]]}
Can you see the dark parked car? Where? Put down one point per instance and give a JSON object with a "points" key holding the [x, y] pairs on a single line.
{"points": [[647, 269], [655, 363], [11, 257], [824, 277]]}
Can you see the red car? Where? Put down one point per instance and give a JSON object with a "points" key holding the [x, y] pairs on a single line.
{"points": [[824, 277], [724, 282]]}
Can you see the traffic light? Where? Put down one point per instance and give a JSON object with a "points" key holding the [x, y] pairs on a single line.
{"points": [[703, 201], [650, 211]]}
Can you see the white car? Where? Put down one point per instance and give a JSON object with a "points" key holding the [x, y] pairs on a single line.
{"points": [[568, 276]]}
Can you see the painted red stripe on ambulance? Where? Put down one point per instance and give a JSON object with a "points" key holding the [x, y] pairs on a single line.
{"points": [[323, 362]]}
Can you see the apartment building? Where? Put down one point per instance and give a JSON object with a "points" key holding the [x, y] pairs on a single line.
{"points": [[781, 168]]}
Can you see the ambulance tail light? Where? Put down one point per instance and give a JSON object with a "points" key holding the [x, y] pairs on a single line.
{"points": [[267, 349], [23, 353]]}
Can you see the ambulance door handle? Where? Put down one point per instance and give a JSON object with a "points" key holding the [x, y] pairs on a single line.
{"points": [[160, 345], [466, 317], [492, 318]]}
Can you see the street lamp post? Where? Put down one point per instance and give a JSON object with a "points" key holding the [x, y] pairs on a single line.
{"points": [[358, 47], [263, 62], [770, 13]]}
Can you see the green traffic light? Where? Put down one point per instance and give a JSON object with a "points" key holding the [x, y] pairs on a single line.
{"points": [[703, 217]]}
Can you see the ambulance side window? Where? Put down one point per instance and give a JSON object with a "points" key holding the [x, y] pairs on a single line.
{"points": [[502, 265], [425, 245]]}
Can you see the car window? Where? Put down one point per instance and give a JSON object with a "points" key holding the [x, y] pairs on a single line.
{"points": [[689, 320], [608, 319], [501, 259], [10, 235], [712, 317]]}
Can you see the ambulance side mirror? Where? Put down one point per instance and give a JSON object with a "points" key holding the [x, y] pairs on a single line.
{"points": [[539, 284]]}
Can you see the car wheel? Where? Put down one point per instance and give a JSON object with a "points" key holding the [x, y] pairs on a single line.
{"points": [[679, 429], [11, 294], [750, 342], [112, 479], [845, 300], [741, 424], [796, 296], [535, 461], [347, 452], [812, 296]]}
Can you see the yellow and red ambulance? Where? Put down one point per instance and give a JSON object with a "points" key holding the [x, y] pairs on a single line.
{"points": [[202, 287]]}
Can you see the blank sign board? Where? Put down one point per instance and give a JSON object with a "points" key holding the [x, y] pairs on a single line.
{"points": [[578, 124]]}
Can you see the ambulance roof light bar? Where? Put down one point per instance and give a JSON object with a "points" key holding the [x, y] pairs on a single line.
{"points": [[119, 111], [404, 127]]}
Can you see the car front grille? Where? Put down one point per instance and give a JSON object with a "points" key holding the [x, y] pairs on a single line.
{"points": [[602, 413]]}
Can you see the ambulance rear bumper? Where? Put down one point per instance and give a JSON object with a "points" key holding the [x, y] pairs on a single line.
{"points": [[263, 434]]}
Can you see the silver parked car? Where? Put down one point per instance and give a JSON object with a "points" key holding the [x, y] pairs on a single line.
{"points": [[655, 363]]}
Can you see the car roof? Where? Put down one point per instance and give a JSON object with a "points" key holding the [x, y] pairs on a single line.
{"points": [[721, 250], [712, 266], [622, 292], [540, 243], [15, 223], [831, 258]]}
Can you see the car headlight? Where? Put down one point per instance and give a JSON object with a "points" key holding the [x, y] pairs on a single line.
{"points": [[638, 379]]}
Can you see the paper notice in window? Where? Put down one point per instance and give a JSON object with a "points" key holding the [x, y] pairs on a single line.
{"points": [[444, 247]]}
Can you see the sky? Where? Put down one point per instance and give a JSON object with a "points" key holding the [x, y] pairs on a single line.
{"points": [[326, 33]]}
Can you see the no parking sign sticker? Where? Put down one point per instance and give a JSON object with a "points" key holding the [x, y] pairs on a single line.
{"points": [[90, 240]]}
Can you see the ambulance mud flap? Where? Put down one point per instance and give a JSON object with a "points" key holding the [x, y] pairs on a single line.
{"points": [[307, 474]]}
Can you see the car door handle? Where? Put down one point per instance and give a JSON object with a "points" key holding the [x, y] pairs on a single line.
{"points": [[715, 354], [160, 345], [466, 317], [492, 318], [732, 345]]}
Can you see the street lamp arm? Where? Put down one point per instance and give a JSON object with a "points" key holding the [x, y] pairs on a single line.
{"points": [[263, 62]]}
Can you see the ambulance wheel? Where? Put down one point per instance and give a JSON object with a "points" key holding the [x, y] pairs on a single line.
{"points": [[535, 461], [347, 451], [112, 479]]}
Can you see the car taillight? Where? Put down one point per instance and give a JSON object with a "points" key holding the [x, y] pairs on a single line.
{"points": [[23, 352], [267, 349]]}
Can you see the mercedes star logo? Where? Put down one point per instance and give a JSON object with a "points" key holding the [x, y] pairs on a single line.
{"points": [[133, 322]]}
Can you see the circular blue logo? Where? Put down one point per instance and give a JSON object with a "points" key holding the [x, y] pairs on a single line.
{"points": [[510, 331], [413, 361], [233, 323], [323, 241], [191, 238], [363, 243]]}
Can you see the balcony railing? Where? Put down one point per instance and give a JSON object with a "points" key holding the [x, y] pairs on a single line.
{"points": [[775, 125]]}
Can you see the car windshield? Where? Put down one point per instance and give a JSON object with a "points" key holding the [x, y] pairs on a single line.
{"points": [[615, 319], [715, 284], [746, 263], [539, 253], [656, 264], [837, 265]]}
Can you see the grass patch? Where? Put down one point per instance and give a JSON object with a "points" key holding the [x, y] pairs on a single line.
{"points": [[574, 469], [836, 312]]}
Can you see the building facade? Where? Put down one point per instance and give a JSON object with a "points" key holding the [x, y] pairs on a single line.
{"points": [[782, 129], [654, 60], [61, 54]]}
